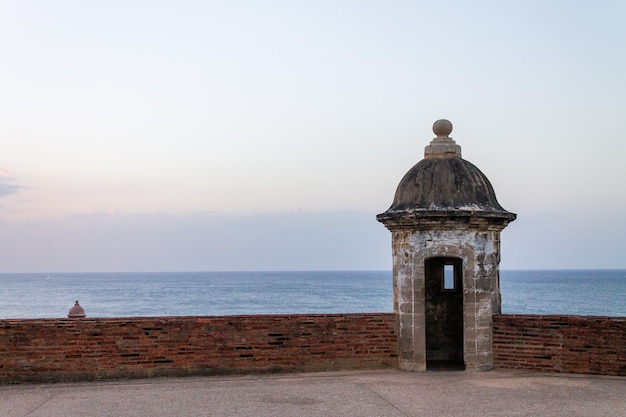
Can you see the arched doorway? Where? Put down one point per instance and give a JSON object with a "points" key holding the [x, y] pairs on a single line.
{"points": [[444, 313]]}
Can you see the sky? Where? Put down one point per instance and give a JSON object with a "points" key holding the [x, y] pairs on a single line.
{"points": [[249, 135]]}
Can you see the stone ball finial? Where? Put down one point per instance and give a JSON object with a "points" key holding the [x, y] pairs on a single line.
{"points": [[442, 128], [76, 312], [443, 146]]}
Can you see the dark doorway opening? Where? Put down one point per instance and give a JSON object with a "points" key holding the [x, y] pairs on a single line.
{"points": [[444, 313]]}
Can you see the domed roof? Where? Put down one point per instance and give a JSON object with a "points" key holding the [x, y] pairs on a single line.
{"points": [[444, 184], [76, 311]]}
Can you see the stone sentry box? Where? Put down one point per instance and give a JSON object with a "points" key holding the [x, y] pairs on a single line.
{"points": [[445, 224]]}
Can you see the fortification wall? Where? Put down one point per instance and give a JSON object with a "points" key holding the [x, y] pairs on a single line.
{"points": [[85, 349], [37, 350], [570, 344]]}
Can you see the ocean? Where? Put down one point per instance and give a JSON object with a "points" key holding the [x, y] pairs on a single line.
{"points": [[577, 292]]}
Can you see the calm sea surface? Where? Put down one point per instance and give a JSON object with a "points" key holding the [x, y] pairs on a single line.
{"points": [[594, 292]]}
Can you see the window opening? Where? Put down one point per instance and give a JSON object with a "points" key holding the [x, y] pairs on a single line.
{"points": [[448, 277]]}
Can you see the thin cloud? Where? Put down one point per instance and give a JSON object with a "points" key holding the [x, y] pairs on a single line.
{"points": [[8, 189], [283, 241]]}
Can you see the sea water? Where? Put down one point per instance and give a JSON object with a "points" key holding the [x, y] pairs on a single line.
{"points": [[595, 292], [575, 292]]}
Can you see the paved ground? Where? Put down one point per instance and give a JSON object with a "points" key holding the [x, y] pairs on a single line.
{"points": [[370, 393]]}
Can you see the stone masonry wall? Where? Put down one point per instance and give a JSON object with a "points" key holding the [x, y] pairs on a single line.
{"points": [[85, 349], [570, 344], [479, 252]]}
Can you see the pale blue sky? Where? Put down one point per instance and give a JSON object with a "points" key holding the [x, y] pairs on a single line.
{"points": [[127, 123]]}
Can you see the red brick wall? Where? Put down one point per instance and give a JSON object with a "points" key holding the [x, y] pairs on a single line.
{"points": [[573, 344], [72, 349], [64, 349]]}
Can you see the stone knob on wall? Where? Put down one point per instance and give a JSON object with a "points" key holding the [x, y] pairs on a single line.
{"points": [[76, 312]]}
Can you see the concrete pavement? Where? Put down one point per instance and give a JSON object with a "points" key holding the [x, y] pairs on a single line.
{"points": [[360, 393]]}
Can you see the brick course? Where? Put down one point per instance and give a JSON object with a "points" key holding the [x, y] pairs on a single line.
{"points": [[572, 344], [84, 349]]}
